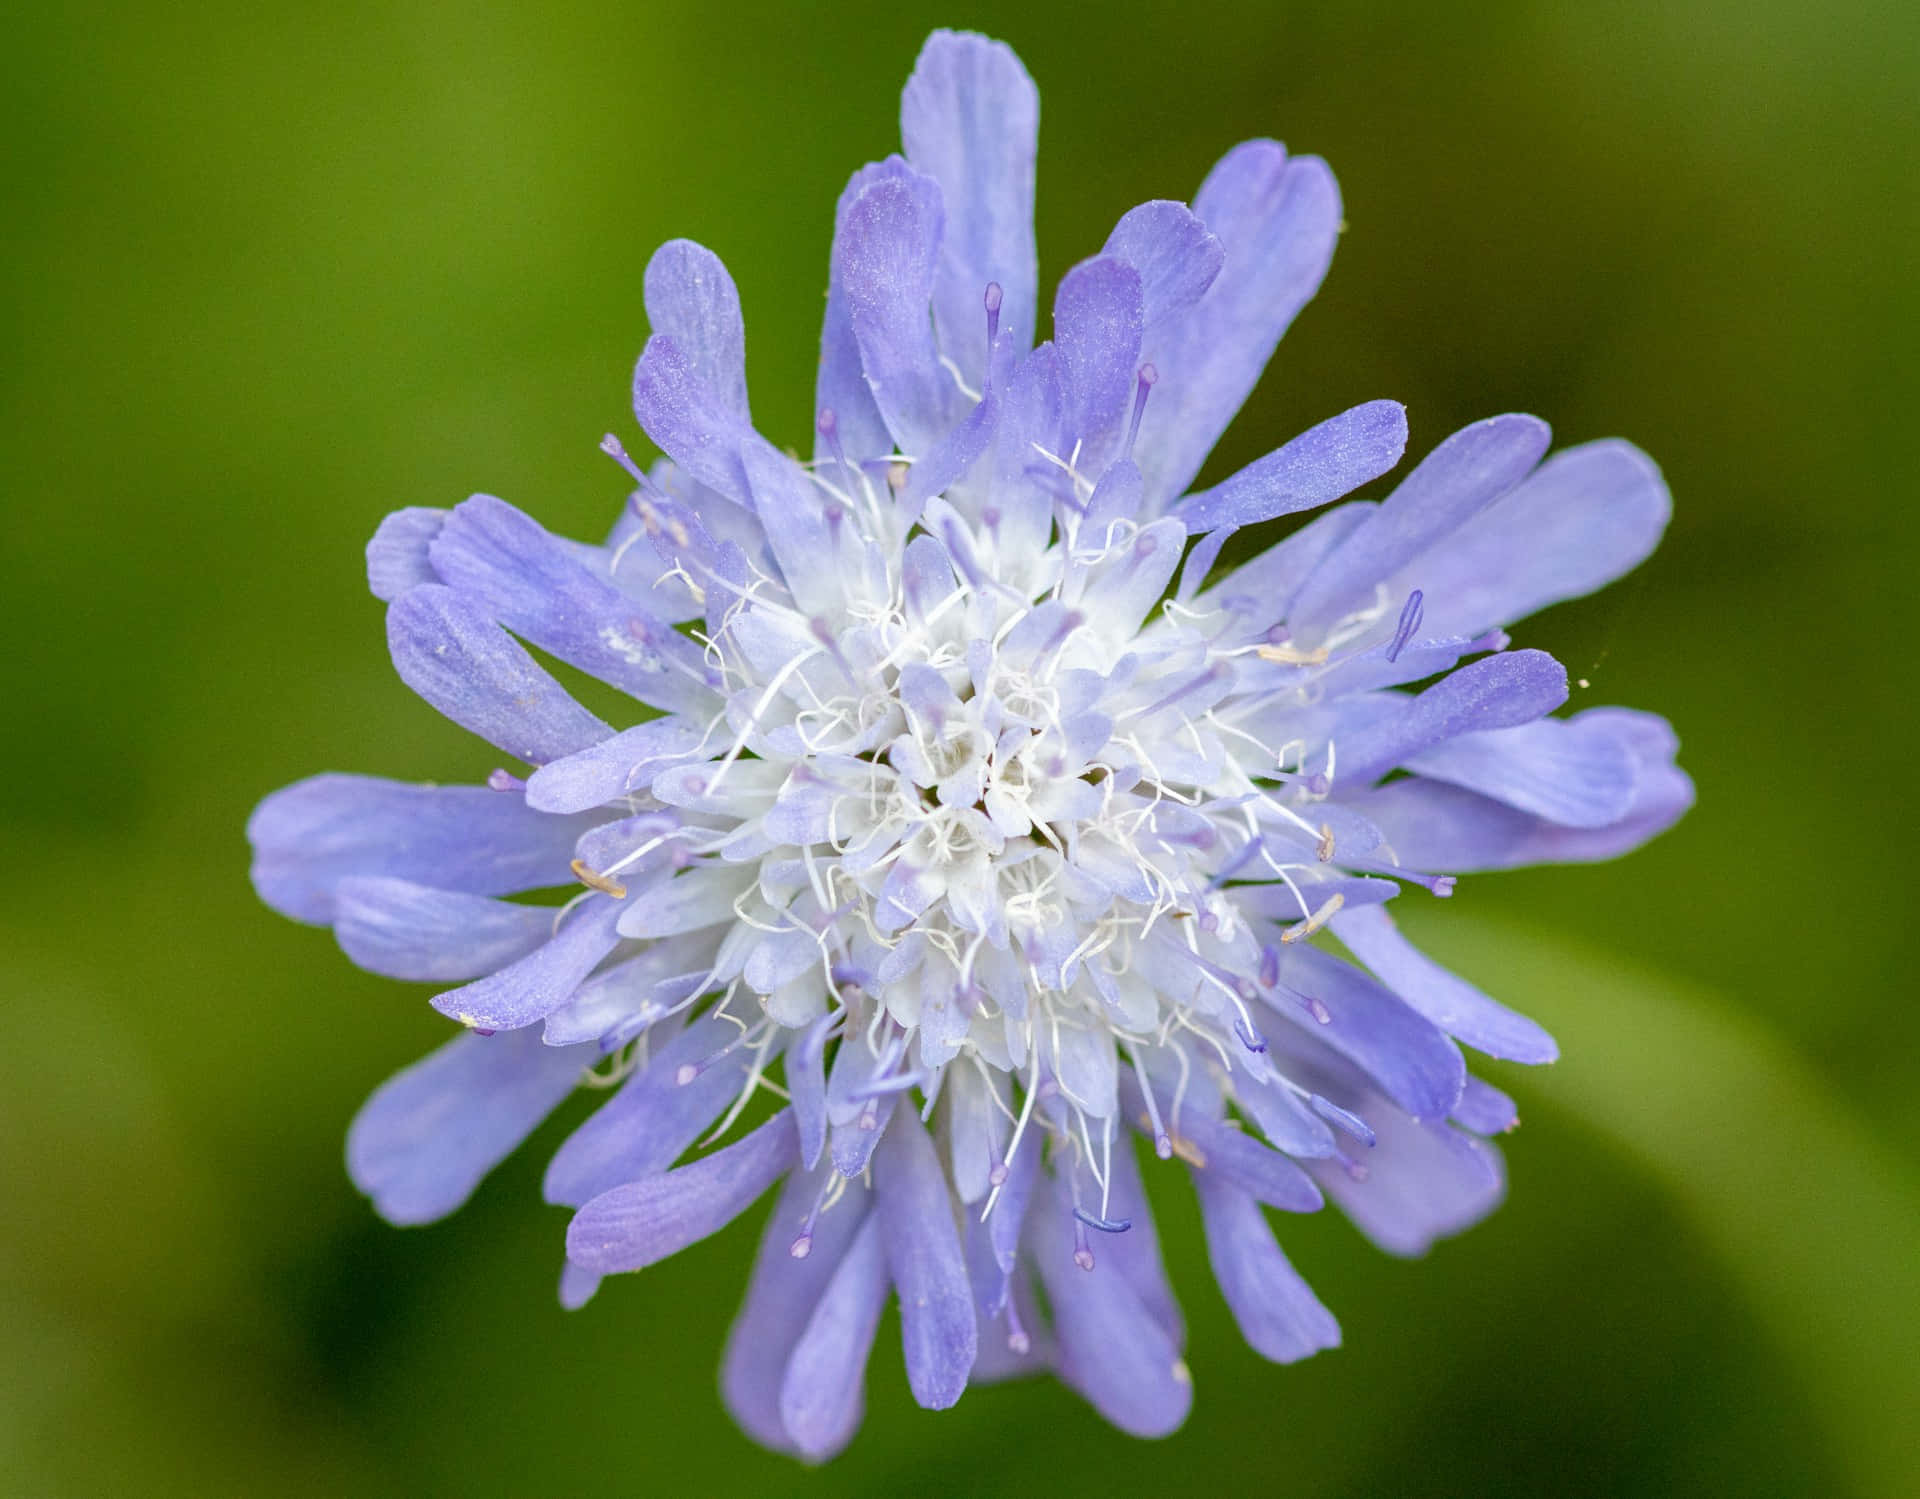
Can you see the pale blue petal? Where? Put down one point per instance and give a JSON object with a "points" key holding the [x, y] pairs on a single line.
{"points": [[397, 555], [1278, 1313], [409, 931], [1317, 467], [822, 1393], [690, 295], [545, 979], [925, 1262]]}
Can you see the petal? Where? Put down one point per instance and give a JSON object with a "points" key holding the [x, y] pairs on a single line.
{"points": [[925, 1262], [538, 587], [643, 1222], [1420, 1182], [1404, 1053], [702, 896], [1485, 1110], [858, 432], [690, 296], [1097, 314], [615, 768], [1176, 256], [422, 1143], [1496, 692], [1453, 483], [692, 423], [806, 1079], [309, 836], [970, 120], [1278, 1313], [409, 931], [885, 257], [1235, 1157], [1256, 592], [1317, 467], [544, 980], [821, 1395], [654, 1118], [397, 555], [1573, 772], [1431, 825], [1112, 1349], [781, 1297], [1450, 1002], [448, 649], [1587, 515], [1276, 220]]}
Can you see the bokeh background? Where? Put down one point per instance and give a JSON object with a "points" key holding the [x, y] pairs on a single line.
{"points": [[270, 271]]}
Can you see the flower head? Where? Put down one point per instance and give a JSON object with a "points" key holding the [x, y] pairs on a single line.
{"points": [[972, 813]]}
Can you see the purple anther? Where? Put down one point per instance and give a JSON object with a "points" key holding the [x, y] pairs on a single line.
{"points": [[1494, 640], [997, 1174], [1142, 387], [1249, 1037], [992, 300], [1409, 622], [480, 1031], [1316, 1009], [1105, 1225], [1209, 922], [505, 780], [1017, 1339], [1443, 885], [616, 450], [687, 1073], [1269, 966], [1163, 1145], [1341, 1119], [1082, 1250], [1317, 784], [802, 1246], [990, 518]]}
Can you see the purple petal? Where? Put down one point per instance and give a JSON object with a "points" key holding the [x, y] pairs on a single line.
{"points": [[821, 1396], [1497, 692], [1031, 417], [970, 119], [690, 296], [643, 1222], [1096, 328], [409, 931], [538, 587], [309, 836], [1405, 1053], [1256, 592], [885, 257], [1278, 1313], [1419, 1183], [1484, 1109], [807, 1083], [1453, 483], [422, 1143], [1175, 255], [545, 979], [693, 424], [397, 555], [654, 1118], [1235, 1156], [1450, 1002], [924, 1259], [1112, 1349], [615, 768], [1317, 467], [1276, 221], [1431, 825], [842, 387], [448, 649], [1575, 772], [781, 1296], [1586, 516]]}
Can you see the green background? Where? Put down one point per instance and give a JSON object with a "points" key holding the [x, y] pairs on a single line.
{"points": [[272, 271]]}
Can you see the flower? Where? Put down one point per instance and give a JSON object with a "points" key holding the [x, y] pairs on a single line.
{"points": [[973, 807]]}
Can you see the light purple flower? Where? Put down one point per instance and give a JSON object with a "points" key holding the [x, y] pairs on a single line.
{"points": [[970, 810]]}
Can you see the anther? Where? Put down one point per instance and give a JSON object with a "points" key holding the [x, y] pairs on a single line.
{"points": [[1318, 919], [1323, 850], [505, 780], [1105, 1225], [1082, 1250], [1017, 1339], [1341, 1119], [1409, 622], [594, 880], [1270, 966], [992, 301], [1143, 386], [614, 449], [997, 1175], [1249, 1037]]}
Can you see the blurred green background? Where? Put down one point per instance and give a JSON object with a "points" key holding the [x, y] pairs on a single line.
{"points": [[270, 272]]}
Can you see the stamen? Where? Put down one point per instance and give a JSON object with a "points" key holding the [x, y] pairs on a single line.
{"points": [[992, 300], [1317, 920], [1341, 1119], [594, 880], [1082, 1250], [1105, 1225], [504, 780], [1249, 1037], [1017, 1339], [1143, 387], [614, 449], [1323, 850], [1409, 622]]}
